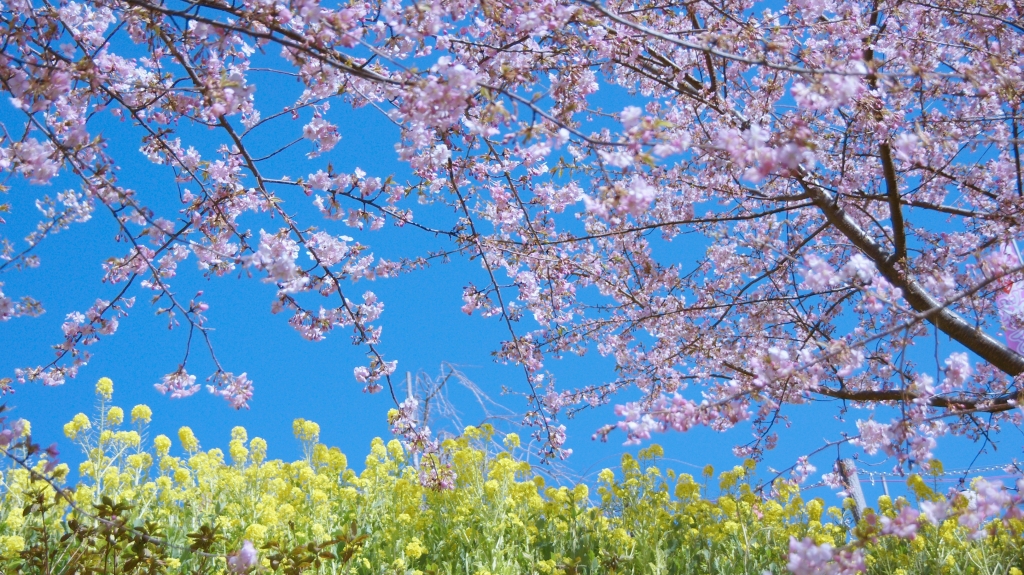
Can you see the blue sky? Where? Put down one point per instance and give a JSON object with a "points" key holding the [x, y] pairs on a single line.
{"points": [[423, 327]]}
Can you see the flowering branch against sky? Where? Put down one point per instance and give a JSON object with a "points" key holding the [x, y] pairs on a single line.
{"points": [[742, 208]]}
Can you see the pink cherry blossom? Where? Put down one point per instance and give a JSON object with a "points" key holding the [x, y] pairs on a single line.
{"points": [[237, 391], [906, 146], [858, 268], [873, 436], [935, 511], [276, 256], [630, 116], [322, 133], [244, 559], [958, 369], [179, 384], [818, 275], [802, 470], [904, 525], [807, 558]]}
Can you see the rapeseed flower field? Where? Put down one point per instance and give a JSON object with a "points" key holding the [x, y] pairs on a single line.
{"points": [[166, 506]]}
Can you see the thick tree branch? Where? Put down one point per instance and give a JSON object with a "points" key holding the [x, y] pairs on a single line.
{"points": [[1004, 402], [892, 190], [947, 321]]}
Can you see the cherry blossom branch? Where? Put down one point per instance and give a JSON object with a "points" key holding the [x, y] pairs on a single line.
{"points": [[710, 49], [942, 317]]}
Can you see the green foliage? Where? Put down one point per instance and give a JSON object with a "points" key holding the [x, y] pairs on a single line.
{"points": [[139, 511]]}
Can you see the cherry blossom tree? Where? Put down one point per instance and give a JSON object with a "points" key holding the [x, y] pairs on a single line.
{"points": [[794, 196]]}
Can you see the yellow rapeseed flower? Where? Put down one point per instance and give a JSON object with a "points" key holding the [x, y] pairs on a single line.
{"points": [[239, 454], [256, 533], [12, 545], [258, 450], [546, 566], [305, 430], [140, 460], [182, 476], [395, 450], [814, 509], [115, 415], [511, 441], [496, 504], [319, 531], [105, 388], [78, 424], [83, 495], [130, 438], [15, 520], [61, 471], [188, 439], [415, 549], [162, 444], [142, 413], [86, 468], [286, 512]]}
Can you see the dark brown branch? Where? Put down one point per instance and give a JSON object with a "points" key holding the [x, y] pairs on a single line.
{"points": [[995, 405], [943, 318], [892, 190]]}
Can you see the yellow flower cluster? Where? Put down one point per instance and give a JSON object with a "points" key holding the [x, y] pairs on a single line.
{"points": [[188, 439], [162, 445], [115, 416], [105, 388], [11, 546], [415, 549], [142, 413], [305, 430], [77, 425]]}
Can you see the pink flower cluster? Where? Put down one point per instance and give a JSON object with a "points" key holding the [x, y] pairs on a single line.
{"points": [[675, 412], [276, 256], [13, 435], [237, 391], [9, 308], [435, 470], [244, 559], [808, 558], [987, 500], [819, 275], [178, 383]]}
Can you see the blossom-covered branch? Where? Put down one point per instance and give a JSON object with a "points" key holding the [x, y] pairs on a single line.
{"points": [[791, 199]]}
